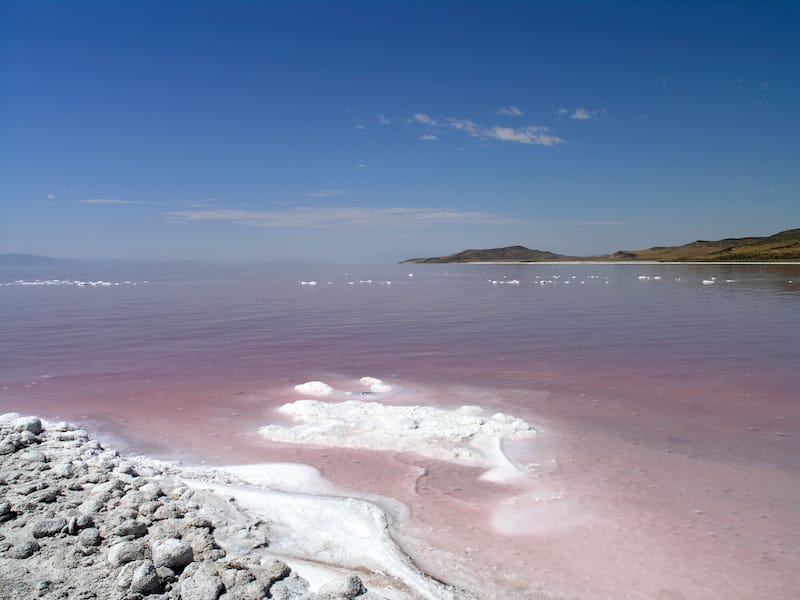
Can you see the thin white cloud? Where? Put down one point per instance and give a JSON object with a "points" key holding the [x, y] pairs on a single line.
{"points": [[361, 165], [384, 120], [341, 217], [580, 113], [510, 111], [359, 126], [524, 135], [424, 119], [327, 193], [468, 126], [428, 137], [51, 196], [111, 201], [531, 134]]}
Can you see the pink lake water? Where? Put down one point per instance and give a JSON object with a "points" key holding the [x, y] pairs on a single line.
{"points": [[667, 463]]}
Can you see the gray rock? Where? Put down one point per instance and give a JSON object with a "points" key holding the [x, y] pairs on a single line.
{"points": [[33, 456], [346, 587], [201, 523], [253, 590], [45, 496], [126, 552], [131, 528], [24, 550], [63, 470], [32, 424], [6, 512], [145, 579], [172, 553], [49, 527], [201, 586], [89, 537]]}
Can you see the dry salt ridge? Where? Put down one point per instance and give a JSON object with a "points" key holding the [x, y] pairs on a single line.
{"points": [[79, 521]]}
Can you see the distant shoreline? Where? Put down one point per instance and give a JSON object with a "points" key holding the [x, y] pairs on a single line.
{"points": [[615, 262]]}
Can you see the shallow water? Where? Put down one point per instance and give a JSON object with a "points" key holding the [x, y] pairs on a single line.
{"points": [[668, 459]]}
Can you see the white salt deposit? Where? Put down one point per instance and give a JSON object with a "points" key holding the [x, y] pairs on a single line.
{"points": [[67, 282], [285, 477], [345, 532], [314, 388], [376, 385], [432, 432]]}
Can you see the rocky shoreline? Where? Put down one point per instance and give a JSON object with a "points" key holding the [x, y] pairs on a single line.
{"points": [[79, 521]]}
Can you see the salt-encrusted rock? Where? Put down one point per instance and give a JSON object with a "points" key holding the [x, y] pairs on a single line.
{"points": [[271, 570], [125, 552], [148, 507], [49, 527], [145, 579], [290, 588], [172, 553], [201, 586], [168, 511], [32, 424], [151, 490], [346, 587]]}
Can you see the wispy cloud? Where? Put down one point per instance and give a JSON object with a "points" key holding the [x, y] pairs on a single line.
{"points": [[360, 126], [424, 119], [327, 193], [341, 217], [580, 114], [531, 134], [524, 135], [428, 137], [51, 196], [110, 201], [510, 111], [384, 120], [361, 165]]}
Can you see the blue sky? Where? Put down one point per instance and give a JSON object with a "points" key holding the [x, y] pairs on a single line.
{"points": [[376, 131]]}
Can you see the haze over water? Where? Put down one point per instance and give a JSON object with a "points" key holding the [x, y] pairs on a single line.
{"points": [[668, 460]]}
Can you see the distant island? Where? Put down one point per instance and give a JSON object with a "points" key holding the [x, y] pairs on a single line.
{"points": [[783, 246]]}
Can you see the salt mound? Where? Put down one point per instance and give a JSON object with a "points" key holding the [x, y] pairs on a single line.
{"points": [[376, 385], [314, 388], [432, 432]]}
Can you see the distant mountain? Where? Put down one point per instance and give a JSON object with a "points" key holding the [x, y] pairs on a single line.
{"points": [[32, 260], [507, 254], [783, 246]]}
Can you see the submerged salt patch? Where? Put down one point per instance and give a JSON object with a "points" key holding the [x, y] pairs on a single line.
{"points": [[314, 388], [433, 432]]}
